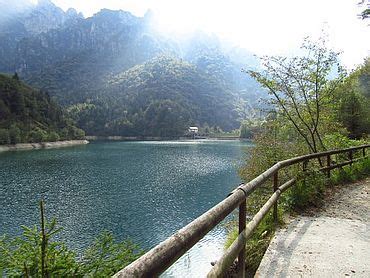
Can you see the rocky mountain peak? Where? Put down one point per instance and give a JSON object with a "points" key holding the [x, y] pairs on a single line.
{"points": [[119, 16], [71, 14], [45, 3], [45, 16]]}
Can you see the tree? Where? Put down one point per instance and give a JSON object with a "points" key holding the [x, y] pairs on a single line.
{"points": [[249, 128], [37, 135], [301, 88], [36, 253], [166, 118], [353, 102], [4, 136], [14, 134], [350, 114], [15, 76], [365, 6], [53, 136], [365, 14]]}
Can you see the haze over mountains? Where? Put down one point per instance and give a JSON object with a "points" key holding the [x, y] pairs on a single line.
{"points": [[116, 75]]}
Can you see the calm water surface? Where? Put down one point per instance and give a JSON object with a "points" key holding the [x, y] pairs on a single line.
{"points": [[142, 190]]}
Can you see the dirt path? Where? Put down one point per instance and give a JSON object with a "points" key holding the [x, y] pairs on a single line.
{"points": [[350, 201], [332, 241]]}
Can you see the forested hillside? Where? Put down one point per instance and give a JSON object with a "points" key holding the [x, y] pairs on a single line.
{"points": [[28, 115], [159, 98], [104, 69]]}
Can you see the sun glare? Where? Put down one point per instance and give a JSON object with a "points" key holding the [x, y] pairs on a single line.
{"points": [[262, 27]]}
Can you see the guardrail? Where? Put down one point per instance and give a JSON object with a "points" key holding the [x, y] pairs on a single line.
{"points": [[162, 256]]}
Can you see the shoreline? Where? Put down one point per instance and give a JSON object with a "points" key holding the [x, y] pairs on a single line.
{"points": [[42, 145], [140, 138]]}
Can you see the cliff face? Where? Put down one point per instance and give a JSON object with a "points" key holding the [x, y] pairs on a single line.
{"points": [[22, 20], [62, 52]]}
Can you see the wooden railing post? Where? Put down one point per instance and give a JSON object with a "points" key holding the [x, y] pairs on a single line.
{"points": [[276, 185], [350, 156], [242, 224], [328, 162]]}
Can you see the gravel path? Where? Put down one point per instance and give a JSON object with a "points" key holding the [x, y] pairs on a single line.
{"points": [[332, 241], [350, 201]]}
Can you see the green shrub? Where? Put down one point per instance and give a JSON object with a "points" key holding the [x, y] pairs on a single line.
{"points": [[15, 134], [22, 256], [53, 136], [351, 173], [37, 135], [306, 192], [106, 256], [338, 140], [4, 136], [77, 133]]}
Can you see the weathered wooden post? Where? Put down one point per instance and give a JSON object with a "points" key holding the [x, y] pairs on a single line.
{"points": [[350, 156], [328, 162], [276, 185], [364, 152], [242, 224]]}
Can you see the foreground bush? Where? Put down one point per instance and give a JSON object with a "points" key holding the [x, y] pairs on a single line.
{"points": [[36, 254]]}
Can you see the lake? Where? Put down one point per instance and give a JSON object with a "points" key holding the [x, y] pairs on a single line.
{"points": [[142, 190]]}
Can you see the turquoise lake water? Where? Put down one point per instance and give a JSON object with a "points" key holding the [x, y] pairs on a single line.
{"points": [[142, 190]]}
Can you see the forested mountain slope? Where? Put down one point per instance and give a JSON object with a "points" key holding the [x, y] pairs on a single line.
{"points": [[28, 115], [159, 98]]}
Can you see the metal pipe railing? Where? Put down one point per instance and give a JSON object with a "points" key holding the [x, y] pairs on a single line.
{"points": [[162, 256]]}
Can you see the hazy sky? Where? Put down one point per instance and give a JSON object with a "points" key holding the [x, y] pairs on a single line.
{"points": [[261, 26]]}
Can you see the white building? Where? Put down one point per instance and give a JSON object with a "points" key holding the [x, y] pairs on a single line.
{"points": [[193, 129]]}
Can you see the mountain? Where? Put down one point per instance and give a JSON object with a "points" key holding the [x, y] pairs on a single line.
{"points": [[161, 97], [29, 115], [86, 63]]}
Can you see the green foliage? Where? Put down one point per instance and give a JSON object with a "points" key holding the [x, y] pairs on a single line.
{"points": [[353, 102], [166, 119], [337, 140], [23, 256], [161, 97], [4, 136], [249, 128], [105, 257], [351, 173], [37, 135], [14, 134], [15, 76], [301, 89], [34, 254], [28, 115], [341, 115], [75, 133], [306, 192], [271, 145], [53, 136], [365, 14]]}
